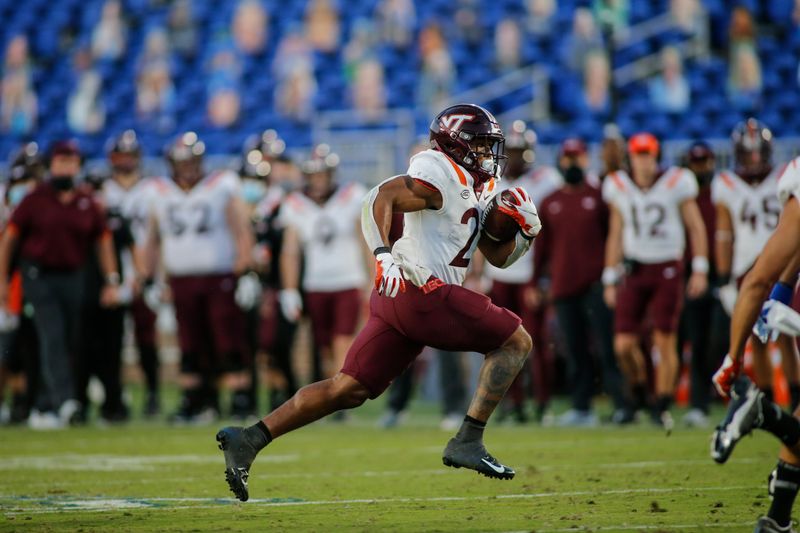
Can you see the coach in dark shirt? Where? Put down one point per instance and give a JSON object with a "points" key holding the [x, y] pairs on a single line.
{"points": [[572, 250], [52, 233]]}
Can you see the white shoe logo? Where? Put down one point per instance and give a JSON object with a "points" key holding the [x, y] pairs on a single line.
{"points": [[498, 469]]}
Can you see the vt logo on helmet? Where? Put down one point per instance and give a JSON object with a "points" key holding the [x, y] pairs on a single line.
{"points": [[470, 136]]}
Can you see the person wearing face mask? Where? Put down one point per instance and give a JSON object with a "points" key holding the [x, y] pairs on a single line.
{"points": [[19, 356], [264, 164], [571, 253], [703, 321], [53, 231]]}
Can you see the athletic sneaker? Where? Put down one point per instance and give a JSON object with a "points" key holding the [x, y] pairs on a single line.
{"points": [[766, 524], [744, 411], [577, 418], [239, 455], [695, 418], [473, 455]]}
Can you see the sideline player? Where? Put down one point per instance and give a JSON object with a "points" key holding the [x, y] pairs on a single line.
{"points": [[321, 232], [419, 299], [747, 213], [206, 243], [651, 211], [750, 408]]}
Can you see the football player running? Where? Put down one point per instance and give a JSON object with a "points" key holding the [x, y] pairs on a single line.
{"points": [[199, 226], [750, 408], [651, 211], [418, 298], [747, 213]]}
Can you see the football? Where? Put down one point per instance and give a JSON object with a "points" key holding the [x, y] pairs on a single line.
{"points": [[497, 225]]}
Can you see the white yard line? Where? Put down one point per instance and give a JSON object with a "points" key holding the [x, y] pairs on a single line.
{"points": [[135, 463], [627, 527], [14, 505]]}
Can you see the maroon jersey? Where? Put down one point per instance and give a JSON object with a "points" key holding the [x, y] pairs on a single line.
{"points": [[572, 243], [54, 234]]}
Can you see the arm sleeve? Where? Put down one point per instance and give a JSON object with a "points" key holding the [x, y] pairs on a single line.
{"points": [[789, 182], [686, 188], [609, 191], [428, 168]]}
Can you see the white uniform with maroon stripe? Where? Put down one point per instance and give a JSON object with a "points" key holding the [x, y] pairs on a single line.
{"points": [[134, 204], [789, 182], [538, 183], [195, 236], [331, 238], [754, 210], [653, 230], [441, 241]]}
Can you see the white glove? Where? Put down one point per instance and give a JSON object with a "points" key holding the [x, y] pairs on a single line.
{"points": [[152, 296], [727, 295], [520, 207], [248, 290], [8, 321], [291, 304], [388, 276]]}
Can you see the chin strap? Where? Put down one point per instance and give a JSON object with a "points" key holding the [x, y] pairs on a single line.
{"points": [[522, 245]]}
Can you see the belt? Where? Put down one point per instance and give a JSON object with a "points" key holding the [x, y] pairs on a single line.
{"points": [[431, 285]]}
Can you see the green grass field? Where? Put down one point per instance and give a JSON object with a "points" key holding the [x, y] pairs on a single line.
{"points": [[353, 477]]}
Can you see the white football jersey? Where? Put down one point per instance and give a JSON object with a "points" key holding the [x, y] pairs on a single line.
{"points": [[789, 182], [754, 210], [134, 204], [442, 240], [538, 183], [653, 230], [196, 238], [331, 238]]}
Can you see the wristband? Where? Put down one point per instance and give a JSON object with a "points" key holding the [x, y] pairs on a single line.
{"points": [[700, 264], [381, 250], [611, 276], [723, 279], [112, 278], [782, 292]]}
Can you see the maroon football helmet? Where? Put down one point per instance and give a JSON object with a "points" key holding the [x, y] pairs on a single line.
{"points": [[185, 158], [124, 152], [752, 150], [471, 136]]}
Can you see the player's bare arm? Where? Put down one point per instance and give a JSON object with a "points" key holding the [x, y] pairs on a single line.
{"points": [[150, 250], [108, 266], [693, 221], [289, 297], [242, 233], [402, 194], [780, 250], [723, 241], [612, 270]]}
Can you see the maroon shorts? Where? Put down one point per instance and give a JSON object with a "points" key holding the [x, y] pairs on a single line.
{"points": [[144, 323], [449, 318], [210, 324], [512, 297], [657, 288], [333, 314]]}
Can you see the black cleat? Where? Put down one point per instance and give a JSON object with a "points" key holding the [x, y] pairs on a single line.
{"points": [[744, 413], [239, 455], [473, 455], [766, 524]]}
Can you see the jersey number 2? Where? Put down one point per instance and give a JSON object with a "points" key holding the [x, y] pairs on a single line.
{"points": [[461, 259]]}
